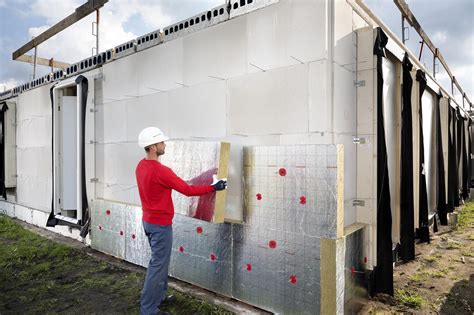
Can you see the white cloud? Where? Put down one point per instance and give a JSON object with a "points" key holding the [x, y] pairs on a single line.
{"points": [[9, 84], [439, 38], [76, 42]]}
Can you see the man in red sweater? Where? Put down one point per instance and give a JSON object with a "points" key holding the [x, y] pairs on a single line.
{"points": [[155, 183]]}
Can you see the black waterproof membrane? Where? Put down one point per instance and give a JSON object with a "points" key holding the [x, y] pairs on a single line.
{"points": [[382, 277], [407, 221]]}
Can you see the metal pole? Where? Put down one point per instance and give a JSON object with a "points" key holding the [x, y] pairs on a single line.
{"points": [[97, 17], [434, 62], [34, 64]]}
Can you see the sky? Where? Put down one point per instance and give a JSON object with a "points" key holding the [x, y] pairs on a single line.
{"points": [[449, 24]]}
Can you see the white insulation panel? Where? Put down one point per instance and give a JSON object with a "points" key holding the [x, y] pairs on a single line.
{"points": [[227, 58], [198, 111], [269, 102], [34, 140], [286, 33]]}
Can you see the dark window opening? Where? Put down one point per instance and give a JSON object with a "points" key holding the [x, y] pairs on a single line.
{"points": [[242, 3], [75, 68], [171, 30], [90, 62], [156, 35], [166, 32], [191, 22], [236, 6], [181, 26], [209, 15], [99, 59], [203, 18], [176, 28], [221, 11], [186, 24], [249, 1], [197, 20], [215, 13], [94, 61]]}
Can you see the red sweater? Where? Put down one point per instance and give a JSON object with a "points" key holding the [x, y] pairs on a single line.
{"points": [[155, 182]]}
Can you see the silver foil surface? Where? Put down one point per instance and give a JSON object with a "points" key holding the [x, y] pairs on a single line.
{"points": [[272, 260], [355, 272]]}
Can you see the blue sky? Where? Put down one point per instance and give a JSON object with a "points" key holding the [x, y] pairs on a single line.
{"points": [[450, 25]]}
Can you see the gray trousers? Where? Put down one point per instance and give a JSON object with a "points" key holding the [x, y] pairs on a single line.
{"points": [[160, 238]]}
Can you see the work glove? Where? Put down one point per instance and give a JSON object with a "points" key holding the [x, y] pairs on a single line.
{"points": [[218, 184]]}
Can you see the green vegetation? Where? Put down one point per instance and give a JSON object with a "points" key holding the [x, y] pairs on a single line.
{"points": [[38, 275], [409, 298], [466, 217]]}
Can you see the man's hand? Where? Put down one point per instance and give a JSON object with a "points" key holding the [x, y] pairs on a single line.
{"points": [[219, 184]]}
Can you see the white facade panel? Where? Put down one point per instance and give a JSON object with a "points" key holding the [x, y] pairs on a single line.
{"points": [[34, 140], [159, 68], [114, 122], [10, 173], [287, 33], [345, 101], [272, 102], [198, 111], [120, 162], [68, 149], [344, 38], [121, 79], [320, 108], [226, 59], [23, 213], [7, 208], [147, 111]]}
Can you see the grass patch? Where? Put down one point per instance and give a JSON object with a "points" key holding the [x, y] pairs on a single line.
{"points": [[41, 276], [466, 217], [409, 298], [431, 258], [417, 277]]}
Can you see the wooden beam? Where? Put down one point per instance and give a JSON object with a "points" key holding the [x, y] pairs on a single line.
{"points": [[80, 12], [43, 61], [408, 15]]}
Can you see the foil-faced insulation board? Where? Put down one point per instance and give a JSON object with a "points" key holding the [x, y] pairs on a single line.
{"points": [[197, 162], [355, 263], [272, 260]]}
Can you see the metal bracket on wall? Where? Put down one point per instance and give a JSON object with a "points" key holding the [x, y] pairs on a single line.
{"points": [[92, 110], [94, 180], [358, 203], [93, 142], [357, 140], [359, 83]]}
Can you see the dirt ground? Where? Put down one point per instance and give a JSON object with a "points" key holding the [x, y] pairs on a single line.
{"points": [[440, 280], [41, 276]]}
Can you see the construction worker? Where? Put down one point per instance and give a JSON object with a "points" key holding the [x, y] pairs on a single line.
{"points": [[155, 183]]}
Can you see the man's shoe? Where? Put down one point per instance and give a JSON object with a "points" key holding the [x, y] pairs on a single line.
{"points": [[168, 300]]}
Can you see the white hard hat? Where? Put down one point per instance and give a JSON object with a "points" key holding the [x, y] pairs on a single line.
{"points": [[149, 136]]}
